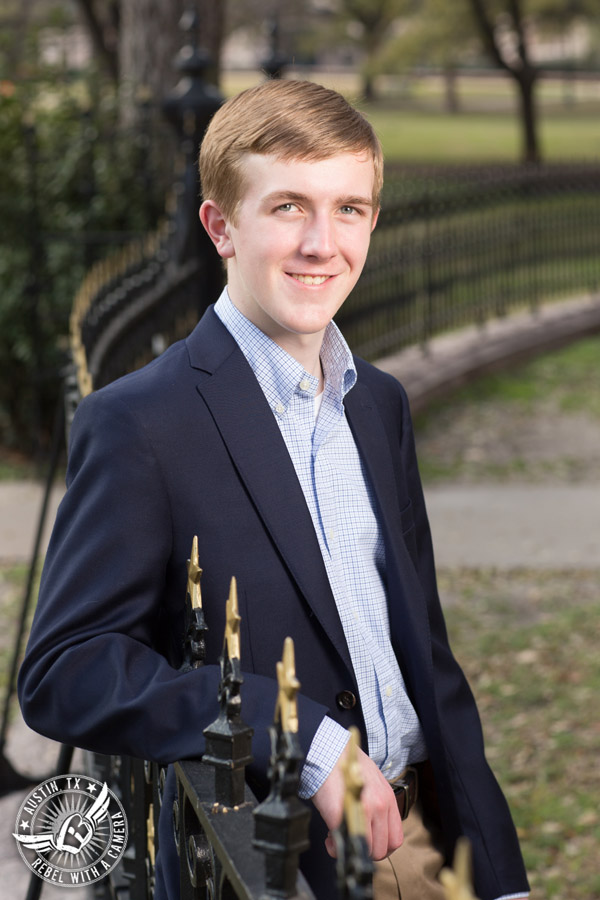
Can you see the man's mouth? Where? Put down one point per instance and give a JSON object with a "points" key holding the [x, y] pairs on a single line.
{"points": [[311, 279]]}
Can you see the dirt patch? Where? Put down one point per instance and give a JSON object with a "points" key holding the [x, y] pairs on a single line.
{"points": [[496, 441]]}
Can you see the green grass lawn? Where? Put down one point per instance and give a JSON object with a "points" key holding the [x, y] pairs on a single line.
{"points": [[413, 126], [437, 137], [528, 642], [461, 437]]}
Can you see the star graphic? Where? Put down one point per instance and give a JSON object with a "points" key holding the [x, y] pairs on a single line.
{"points": [[92, 787], [24, 824]]}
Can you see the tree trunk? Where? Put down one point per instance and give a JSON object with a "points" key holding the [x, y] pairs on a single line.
{"points": [[148, 43], [368, 87], [105, 50], [450, 92], [150, 39], [526, 81]]}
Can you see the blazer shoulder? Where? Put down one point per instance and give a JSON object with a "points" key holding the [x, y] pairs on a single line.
{"points": [[184, 362], [386, 389]]}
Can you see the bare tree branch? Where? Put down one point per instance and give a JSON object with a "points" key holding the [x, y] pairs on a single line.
{"points": [[107, 55], [488, 33]]}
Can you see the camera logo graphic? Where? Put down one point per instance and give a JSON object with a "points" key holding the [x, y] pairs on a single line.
{"points": [[71, 830]]}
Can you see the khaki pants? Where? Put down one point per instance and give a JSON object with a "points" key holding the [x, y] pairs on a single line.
{"points": [[410, 873]]}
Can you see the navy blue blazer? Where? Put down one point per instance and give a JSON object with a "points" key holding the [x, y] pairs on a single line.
{"points": [[188, 445]]}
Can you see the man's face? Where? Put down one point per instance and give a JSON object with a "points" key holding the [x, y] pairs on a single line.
{"points": [[299, 242]]}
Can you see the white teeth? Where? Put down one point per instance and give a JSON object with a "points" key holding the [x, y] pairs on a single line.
{"points": [[311, 279]]}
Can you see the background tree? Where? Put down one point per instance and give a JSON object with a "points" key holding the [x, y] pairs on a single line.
{"points": [[102, 19], [507, 28], [372, 21], [447, 35], [136, 42], [505, 33], [437, 34]]}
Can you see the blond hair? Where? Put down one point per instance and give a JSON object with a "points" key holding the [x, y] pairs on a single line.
{"points": [[289, 119]]}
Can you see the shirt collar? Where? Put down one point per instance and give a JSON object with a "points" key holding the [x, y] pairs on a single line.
{"points": [[278, 373]]}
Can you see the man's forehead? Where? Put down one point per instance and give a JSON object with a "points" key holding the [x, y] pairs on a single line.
{"points": [[347, 174]]}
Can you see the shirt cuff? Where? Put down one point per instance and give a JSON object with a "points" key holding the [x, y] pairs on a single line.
{"points": [[326, 748], [513, 896]]}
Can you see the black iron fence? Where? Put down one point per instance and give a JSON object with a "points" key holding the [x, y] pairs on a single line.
{"points": [[229, 845], [452, 247], [457, 246]]}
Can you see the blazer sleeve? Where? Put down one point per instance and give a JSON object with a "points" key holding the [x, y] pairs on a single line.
{"points": [[92, 676], [478, 809]]}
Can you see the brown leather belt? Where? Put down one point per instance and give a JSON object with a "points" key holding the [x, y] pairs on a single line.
{"points": [[406, 789]]}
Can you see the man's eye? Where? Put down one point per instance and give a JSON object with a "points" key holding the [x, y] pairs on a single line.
{"points": [[348, 210], [286, 207]]}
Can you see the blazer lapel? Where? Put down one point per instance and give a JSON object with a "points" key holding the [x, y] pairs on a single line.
{"points": [[406, 602], [254, 441]]}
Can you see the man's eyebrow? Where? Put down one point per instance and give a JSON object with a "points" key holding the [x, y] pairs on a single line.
{"points": [[284, 195], [303, 198], [355, 201]]}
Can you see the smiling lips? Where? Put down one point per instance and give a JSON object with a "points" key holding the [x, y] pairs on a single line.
{"points": [[311, 279]]}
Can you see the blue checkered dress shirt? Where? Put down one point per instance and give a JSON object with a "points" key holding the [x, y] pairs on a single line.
{"points": [[342, 508]]}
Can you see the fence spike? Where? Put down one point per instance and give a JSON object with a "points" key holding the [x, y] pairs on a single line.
{"points": [[194, 650], [457, 883], [286, 709], [281, 822], [354, 864]]}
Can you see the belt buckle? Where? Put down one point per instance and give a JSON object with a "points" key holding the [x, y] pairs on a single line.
{"points": [[405, 789]]}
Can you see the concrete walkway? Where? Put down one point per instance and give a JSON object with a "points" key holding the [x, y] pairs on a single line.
{"points": [[516, 526], [501, 526]]}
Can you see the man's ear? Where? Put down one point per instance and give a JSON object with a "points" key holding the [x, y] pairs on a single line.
{"points": [[217, 228], [375, 217]]}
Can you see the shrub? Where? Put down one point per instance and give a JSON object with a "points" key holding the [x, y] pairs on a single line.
{"points": [[72, 185]]}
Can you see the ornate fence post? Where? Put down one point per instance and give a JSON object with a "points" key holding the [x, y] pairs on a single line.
{"points": [[281, 822], [354, 864], [189, 108], [276, 61], [228, 739]]}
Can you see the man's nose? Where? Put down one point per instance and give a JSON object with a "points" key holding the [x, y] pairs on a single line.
{"points": [[318, 239]]}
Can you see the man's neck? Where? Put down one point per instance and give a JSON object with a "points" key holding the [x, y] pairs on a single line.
{"points": [[305, 349]]}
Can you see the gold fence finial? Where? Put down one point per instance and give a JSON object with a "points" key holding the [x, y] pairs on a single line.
{"points": [[232, 623], [353, 808], [194, 576], [457, 882], [286, 710]]}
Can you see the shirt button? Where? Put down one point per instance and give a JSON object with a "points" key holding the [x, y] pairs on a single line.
{"points": [[305, 384], [280, 408], [388, 691], [346, 700]]}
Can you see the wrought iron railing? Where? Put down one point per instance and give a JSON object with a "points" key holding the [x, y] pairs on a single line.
{"points": [[457, 246], [229, 845]]}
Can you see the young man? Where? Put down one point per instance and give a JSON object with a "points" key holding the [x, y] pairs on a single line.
{"points": [[295, 465]]}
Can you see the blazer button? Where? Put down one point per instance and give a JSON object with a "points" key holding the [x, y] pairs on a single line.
{"points": [[346, 700]]}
